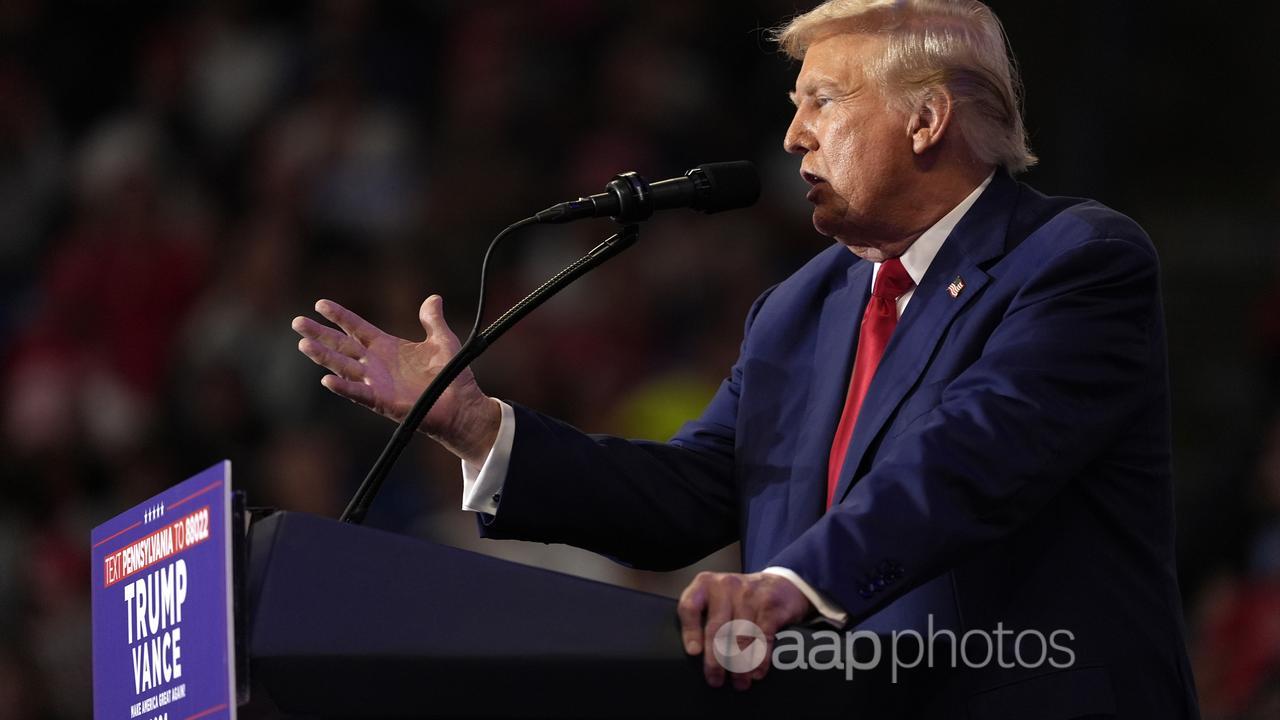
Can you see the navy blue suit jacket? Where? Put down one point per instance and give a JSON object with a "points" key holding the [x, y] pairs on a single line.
{"points": [[1011, 463]]}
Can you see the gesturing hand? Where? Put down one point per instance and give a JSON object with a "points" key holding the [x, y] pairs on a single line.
{"points": [[770, 601], [387, 374]]}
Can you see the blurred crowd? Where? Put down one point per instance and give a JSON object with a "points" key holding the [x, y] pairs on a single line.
{"points": [[178, 180]]}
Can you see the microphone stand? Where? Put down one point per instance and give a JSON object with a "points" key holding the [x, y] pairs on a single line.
{"points": [[470, 350]]}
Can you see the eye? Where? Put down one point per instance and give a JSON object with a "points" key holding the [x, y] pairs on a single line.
{"points": [[821, 100]]}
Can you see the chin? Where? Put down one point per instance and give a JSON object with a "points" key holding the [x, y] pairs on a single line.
{"points": [[824, 224], [836, 228]]}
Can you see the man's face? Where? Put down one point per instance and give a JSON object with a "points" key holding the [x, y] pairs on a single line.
{"points": [[856, 153]]}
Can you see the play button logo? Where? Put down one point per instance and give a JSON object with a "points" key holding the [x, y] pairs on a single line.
{"points": [[733, 653]]}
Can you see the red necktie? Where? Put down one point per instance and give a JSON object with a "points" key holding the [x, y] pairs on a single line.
{"points": [[878, 322]]}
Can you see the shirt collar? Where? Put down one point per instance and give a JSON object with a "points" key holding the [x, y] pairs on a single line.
{"points": [[917, 259]]}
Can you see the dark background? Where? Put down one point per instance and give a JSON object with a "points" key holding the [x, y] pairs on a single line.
{"points": [[179, 179]]}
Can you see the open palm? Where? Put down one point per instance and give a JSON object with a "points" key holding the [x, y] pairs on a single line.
{"points": [[386, 373]]}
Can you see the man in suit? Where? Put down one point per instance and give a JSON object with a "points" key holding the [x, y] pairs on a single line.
{"points": [[954, 419]]}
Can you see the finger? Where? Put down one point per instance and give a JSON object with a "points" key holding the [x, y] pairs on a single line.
{"points": [[767, 621], [692, 602], [719, 611], [758, 674], [356, 392], [308, 328], [743, 609], [781, 605], [351, 323], [431, 315], [335, 362]]}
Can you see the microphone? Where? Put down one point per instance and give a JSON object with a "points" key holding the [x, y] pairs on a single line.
{"points": [[630, 198]]}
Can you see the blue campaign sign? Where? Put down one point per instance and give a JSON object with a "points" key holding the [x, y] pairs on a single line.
{"points": [[163, 644]]}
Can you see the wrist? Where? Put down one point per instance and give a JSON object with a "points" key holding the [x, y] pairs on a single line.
{"points": [[818, 603], [475, 430]]}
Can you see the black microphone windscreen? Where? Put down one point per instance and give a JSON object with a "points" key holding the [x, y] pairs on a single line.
{"points": [[732, 185]]}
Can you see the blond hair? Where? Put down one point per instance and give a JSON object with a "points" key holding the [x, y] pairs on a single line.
{"points": [[959, 44]]}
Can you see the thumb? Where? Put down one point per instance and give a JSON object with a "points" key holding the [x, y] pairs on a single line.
{"points": [[431, 315]]}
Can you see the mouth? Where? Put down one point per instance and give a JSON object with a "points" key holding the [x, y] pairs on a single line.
{"points": [[815, 181]]}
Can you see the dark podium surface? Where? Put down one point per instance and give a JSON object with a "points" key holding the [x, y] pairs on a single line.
{"points": [[346, 621]]}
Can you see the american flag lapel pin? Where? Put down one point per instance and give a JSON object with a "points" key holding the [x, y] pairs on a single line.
{"points": [[956, 287]]}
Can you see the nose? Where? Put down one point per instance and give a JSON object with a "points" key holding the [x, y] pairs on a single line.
{"points": [[799, 138]]}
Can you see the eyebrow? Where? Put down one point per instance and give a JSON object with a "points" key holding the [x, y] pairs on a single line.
{"points": [[813, 88]]}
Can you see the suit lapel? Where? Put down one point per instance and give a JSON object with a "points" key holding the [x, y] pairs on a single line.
{"points": [[977, 238], [833, 361]]}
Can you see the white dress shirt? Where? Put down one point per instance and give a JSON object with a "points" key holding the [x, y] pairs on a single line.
{"points": [[482, 486]]}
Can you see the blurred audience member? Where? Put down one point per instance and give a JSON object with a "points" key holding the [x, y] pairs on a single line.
{"points": [[1237, 642]]}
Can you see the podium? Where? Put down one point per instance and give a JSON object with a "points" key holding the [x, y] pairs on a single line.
{"points": [[348, 621]]}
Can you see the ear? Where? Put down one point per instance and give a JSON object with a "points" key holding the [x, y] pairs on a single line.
{"points": [[932, 116]]}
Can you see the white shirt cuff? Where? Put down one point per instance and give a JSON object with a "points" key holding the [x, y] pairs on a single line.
{"points": [[829, 611], [482, 486]]}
